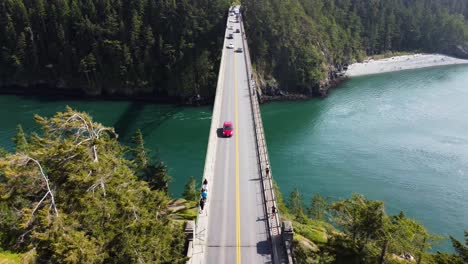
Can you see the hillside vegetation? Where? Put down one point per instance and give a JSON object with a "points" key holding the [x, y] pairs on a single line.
{"points": [[166, 48], [301, 45], [73, 194], [156, 47], [359, 231]]}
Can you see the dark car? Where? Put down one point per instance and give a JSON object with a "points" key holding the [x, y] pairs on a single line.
{"points": [[237, 31], [230, 36], [228, 131], [238, 50]]}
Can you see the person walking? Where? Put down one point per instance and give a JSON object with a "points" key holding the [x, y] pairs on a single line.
{"points": [[205, 186], [202, 204], [267, 171], [204, 195], [273, 211]]}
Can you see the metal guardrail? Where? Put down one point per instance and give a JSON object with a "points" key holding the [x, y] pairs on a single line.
{"points": [[273, 219]]}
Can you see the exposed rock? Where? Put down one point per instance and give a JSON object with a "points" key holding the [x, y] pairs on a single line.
{"points": [[460, 51]]}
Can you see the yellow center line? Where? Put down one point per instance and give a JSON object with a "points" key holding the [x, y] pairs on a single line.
{"points": [[238, 239]]}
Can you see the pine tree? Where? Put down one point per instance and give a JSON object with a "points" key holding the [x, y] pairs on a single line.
{"points": [[190, 191], [139, 151], [318, 207], [295, 203], [20, 140], [80, 200]]}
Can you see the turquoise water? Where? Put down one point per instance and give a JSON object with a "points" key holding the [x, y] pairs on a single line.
{"points": [[177, 135], [398, 137]]}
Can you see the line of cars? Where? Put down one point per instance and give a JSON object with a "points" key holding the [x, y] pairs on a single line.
{"points": [[228, 129], [231, 35]]}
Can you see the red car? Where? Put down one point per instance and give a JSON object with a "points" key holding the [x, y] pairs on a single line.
{"points": [[228, 131]]}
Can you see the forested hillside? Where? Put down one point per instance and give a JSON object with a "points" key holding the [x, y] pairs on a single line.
{"points": [[300, 45], [157, 47], [167, 48]]}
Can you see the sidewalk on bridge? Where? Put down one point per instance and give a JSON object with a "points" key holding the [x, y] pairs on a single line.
{"points": [[201, 224]]}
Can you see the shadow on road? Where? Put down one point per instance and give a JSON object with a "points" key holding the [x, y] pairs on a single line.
{"points": [[219, 132], [264, 247]]}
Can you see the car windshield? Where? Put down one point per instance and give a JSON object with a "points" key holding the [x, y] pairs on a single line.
{"points": [[227, 127]]}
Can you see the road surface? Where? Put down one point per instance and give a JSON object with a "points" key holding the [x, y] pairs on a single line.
{"points": [[237, 231]]}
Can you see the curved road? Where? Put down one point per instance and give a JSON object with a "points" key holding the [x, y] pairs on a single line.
{"points": [[236, 216]]}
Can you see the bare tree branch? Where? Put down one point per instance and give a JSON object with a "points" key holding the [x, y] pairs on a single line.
{"points": [[21, 237], [46, 180]]}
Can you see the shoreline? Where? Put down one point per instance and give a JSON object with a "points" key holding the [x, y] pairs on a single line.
{"points": [[401, 63], [79, 95]]}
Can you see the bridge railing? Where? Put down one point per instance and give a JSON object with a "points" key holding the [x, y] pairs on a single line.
{"points": [[273, 219]]}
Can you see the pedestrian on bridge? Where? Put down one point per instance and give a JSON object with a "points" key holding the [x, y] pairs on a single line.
{"points": [[267, 172], [204, 195], [273, 211], [204, 186], [202, 204]]}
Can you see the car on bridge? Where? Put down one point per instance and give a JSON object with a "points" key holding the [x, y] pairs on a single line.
{"points": [[237, 31], [228, 130], [239, 50], [230, 46]]}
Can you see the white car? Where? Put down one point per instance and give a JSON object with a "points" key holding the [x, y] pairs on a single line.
{"points": [[230, 46]]}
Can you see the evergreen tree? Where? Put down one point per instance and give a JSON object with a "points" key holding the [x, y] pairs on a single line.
{"points": [[318, 207], [20, 140], [295, 203], [190, 191], [74, 198]]}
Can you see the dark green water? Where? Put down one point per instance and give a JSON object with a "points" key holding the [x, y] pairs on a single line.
{"points": [[398, 137]]}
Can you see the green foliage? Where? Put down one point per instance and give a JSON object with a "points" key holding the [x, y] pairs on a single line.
{"points": [[461, 255], [103, 46], [364, 233], [297, 42], [190, 191], [20, 140], [313, 231], [10, 258], [462, 250], [154, 173], [295, 203], [318, 207], [362, 219], [75, 198]]}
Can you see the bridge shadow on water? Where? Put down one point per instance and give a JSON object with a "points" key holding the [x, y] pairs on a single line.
{"points": [[136, 116]]}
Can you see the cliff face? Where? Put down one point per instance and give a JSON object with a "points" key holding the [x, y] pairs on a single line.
{"points": [[271, 90]]}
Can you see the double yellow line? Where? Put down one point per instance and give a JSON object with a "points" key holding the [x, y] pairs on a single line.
{"points": [[236, 101]]}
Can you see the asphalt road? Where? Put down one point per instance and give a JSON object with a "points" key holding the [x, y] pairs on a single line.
{"points": [[237, 230]]}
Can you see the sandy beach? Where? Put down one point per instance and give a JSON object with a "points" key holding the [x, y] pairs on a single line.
{"points": [[400, 63]]}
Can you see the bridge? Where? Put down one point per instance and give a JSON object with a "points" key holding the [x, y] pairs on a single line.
{"points": [[237, 224]]}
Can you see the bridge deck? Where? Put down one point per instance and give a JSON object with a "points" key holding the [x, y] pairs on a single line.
{"points": [[234, 227]]}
